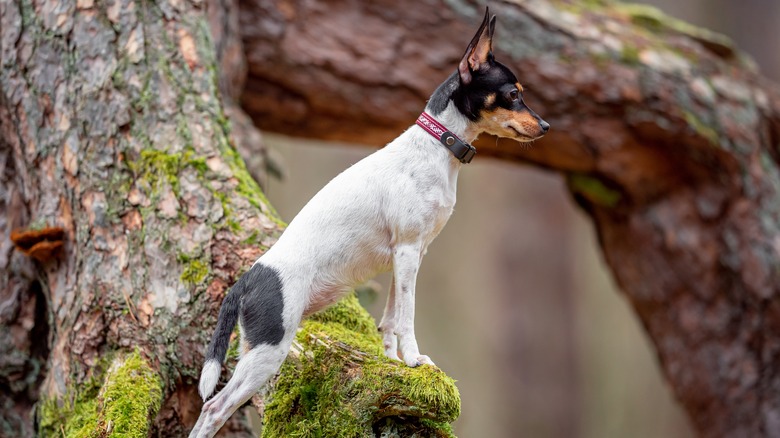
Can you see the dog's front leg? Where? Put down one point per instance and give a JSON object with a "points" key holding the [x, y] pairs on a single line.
{"points": [[406, 262], [388, 324]]}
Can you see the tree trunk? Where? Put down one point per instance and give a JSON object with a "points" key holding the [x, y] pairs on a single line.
{"points": [[667, 136], [132, 213]]}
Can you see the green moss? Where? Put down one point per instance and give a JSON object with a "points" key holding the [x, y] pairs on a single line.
{"points": [[118, 402], [596, 3], [342, 385], [223, 199], [69, 419], [145, 97], [349, 313], [445, 429], [155, 166], [701, 128], [593, 189], [194, 272], [199, 164], [391, 427], [580, 6], [68, 415], [630, 55], [196, 267], [646, 16], [130, 397], [252, 239], [652, 19], [233, 225]]}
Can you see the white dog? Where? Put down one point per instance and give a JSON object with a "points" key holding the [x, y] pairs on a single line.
{"points": [[378, 215]]}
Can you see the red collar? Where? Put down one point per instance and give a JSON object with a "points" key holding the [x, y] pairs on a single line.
{"points": [[463, 151]]}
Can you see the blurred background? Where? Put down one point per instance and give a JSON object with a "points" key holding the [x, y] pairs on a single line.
{"points": [[530, 322]]}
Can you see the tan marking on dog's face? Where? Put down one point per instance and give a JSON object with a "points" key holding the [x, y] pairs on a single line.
{"points": [[490, 100], [519, 87], [517, 125]]}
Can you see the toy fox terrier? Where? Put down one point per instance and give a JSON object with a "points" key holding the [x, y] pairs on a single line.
{"points": [[378, 215]]}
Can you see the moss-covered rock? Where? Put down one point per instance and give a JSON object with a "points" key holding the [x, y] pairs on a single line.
{"points": [[342, 385]]}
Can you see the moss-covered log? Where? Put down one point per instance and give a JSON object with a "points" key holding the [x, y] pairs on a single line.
{"points": [[338, 383], [112, 128], [123, 402]]}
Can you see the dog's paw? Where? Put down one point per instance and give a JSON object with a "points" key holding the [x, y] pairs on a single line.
{"points": [[392, 354], [390, 344], [419, 360]]}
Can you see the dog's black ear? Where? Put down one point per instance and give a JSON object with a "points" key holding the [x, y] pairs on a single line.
{"points": [[479, 51]]}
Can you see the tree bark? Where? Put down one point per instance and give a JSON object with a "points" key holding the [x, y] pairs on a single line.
{"points": [[117, 160], [667, 136]]}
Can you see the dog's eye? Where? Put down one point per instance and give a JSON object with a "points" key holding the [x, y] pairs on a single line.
{"points": [[513, 95]]}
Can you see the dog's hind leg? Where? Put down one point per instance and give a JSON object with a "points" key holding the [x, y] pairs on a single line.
{"points": [[269, 318], [252, 372]]}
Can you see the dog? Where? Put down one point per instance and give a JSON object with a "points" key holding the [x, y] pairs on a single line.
{"points": [[378, 215]]}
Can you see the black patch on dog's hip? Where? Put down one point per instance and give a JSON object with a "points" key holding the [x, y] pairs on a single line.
{"points": [[262, 306]]}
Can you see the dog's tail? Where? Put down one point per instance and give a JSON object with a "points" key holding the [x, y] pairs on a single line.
{"points": [[228, 316]]}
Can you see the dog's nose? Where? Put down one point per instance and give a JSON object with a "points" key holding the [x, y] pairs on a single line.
{"points": [[544, 125]]}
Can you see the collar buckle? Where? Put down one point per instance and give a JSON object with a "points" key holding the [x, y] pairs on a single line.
{"points": [[463, 151]]}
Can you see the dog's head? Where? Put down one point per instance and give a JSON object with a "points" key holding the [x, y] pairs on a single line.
{"points": [[488, 93]]}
